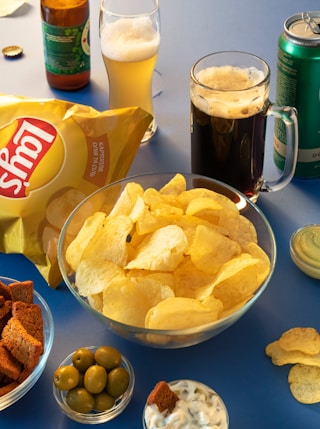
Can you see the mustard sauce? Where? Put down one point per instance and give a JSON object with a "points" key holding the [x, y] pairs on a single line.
{"points": [[305, 249]]}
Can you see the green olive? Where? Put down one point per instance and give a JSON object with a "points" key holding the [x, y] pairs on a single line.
{"points": [[108, 357], [118, 381], [66, 377], [95, 379], [80, 400], [82, 359], [103, 401]]}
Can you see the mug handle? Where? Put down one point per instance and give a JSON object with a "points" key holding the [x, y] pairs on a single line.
{"points": [[288, 115]]}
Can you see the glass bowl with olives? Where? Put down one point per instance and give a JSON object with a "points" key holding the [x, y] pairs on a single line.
{"points": [[167, 260], [93, 384]]}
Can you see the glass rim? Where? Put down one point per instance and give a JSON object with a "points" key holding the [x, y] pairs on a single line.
{"points": [[196, 81], [152, 11]]}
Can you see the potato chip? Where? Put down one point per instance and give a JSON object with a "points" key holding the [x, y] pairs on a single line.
{"points": [[264, 265], [168, 259], [109, 241], [237, 280], [128, 300], [161, 251], [210, 249], [94, 274], [96, 301], [127, 199], [175, 186], [306, 340], [245, 233], [190, 282], [181, 313], [280, 357], [150, 221], [76, 247], [304, 382]]}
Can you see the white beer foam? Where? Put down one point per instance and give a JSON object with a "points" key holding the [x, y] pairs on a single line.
{"points": [[230, 92], [130, 39]]}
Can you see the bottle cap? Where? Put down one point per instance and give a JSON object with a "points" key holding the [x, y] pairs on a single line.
{"points": [[12, 51], [305, 249]]}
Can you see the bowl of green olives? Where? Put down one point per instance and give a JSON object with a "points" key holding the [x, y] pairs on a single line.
{"points": [[93, 384]]}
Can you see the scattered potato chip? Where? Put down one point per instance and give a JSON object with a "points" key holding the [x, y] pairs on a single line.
{"points": [[167, 259], [280, 357], [128, 300], [181, 313], [306, 340], [304, 382], [300, 347], [163, 250]]}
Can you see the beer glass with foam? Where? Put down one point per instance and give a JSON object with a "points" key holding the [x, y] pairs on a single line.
{"points": [[130, 39], [229, 108]]}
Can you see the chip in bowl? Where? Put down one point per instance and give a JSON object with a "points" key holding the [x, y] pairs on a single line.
{"points": [[171, 258]]}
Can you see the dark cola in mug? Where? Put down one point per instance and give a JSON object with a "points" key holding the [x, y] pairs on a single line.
{"points": [[228, 127]]}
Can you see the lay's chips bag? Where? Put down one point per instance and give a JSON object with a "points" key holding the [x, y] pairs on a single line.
{"points": [[52, 155]]}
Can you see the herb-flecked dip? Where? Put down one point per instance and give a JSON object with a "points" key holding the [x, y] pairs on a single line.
{"points": [[198, 407]]}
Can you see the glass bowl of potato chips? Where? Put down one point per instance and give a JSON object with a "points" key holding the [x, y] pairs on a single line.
{"points": [[167, 260]]}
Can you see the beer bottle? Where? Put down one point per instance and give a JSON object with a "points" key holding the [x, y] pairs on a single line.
{"points": [[65, 30]]}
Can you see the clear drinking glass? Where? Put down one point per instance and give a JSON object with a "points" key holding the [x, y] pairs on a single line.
{"points": [[130, 40]]}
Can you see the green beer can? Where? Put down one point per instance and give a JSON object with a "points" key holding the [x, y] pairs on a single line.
{"points": [[298, 85]]}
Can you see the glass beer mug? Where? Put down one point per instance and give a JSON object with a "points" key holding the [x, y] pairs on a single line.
{"points": [[229, 108]]}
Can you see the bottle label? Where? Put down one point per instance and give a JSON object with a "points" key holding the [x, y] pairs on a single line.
{"points": [[66, 49]]}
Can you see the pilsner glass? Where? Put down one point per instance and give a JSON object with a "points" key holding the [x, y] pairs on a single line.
{"points": [[130, 39]]}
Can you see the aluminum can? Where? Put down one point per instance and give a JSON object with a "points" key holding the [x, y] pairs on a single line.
{"points": [[298, 85]]}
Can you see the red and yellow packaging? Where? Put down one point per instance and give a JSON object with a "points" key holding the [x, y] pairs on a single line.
{"points": [[52, 155]]}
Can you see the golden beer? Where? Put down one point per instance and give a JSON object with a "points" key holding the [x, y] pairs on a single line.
{"points": [[130, 49]]}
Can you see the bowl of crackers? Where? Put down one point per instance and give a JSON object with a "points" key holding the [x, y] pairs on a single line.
{"points": [[167, 260], [27, 332]]}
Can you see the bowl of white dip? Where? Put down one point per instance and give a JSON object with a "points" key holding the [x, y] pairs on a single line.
{"points": [[198, 406]]}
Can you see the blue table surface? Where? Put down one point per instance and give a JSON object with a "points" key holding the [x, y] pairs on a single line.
{"points": [[256, 393]]}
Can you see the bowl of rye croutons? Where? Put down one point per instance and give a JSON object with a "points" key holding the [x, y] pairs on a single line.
{"points": [[26, 337]]}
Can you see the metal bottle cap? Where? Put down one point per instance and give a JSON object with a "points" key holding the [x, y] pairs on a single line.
{"points": [[12, 51]]}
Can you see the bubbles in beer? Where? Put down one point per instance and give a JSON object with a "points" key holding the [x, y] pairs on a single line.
{"points": [[229, 92], [130, 39]]}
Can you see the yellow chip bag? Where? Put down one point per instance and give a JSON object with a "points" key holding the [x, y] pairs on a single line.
{"points": [[52, 154]]}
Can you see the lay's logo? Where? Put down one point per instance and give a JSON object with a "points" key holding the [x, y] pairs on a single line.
{"points": [[31, 140]]}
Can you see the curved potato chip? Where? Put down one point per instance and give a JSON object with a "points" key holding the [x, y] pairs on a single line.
{"points": [[210, 249], [181, 313], [190, 282], [306, 340], [163, 250], [304, 382], [128, 300], [175, 186], [237, 280], [76, 247], [94, 275], [110, 240], [127, 199]]}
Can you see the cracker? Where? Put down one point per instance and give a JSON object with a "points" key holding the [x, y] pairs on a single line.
{"points": [[304, 382]]}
